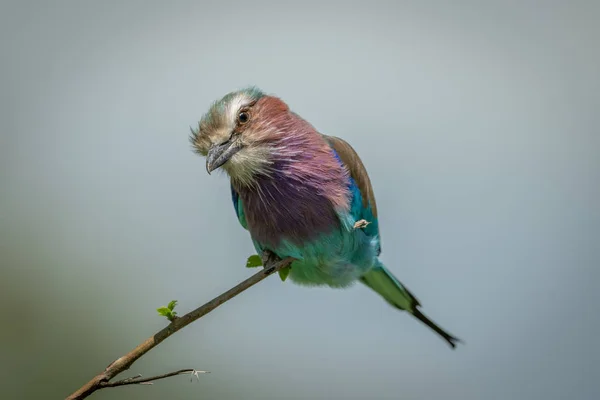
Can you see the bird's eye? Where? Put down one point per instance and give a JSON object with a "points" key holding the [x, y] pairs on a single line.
{"points": [[243, 117]]}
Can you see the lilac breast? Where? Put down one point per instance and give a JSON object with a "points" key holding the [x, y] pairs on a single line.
{"points": [[280, 207]]}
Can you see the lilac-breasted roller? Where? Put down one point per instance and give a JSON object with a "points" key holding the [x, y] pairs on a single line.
{"points": [[300, 194]]}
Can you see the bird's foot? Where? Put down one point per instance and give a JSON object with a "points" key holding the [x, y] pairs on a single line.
{"points": [[269, 258]]}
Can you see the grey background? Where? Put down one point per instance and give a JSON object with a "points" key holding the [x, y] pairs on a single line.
{"points": [[477, 122]]}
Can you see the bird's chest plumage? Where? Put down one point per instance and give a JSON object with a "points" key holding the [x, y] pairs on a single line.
{"points": [[287, 211]]}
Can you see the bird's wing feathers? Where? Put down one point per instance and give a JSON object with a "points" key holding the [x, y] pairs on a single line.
{"points": [[358, 172], [356, 168]]}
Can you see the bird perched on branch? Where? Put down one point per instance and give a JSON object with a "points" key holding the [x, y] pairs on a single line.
{"points": [[300, 194]]}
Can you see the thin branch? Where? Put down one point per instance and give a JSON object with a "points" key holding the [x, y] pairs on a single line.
{"points": [[123, 363], [137, 380]]}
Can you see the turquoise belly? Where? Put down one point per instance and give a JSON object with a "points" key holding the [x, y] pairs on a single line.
{"points": [[334, 259]]}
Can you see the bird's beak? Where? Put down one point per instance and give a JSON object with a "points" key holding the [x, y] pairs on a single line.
{"points": [[219, 154]]}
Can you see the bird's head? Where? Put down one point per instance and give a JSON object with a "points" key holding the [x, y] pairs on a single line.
{"points": [[241, 132]]}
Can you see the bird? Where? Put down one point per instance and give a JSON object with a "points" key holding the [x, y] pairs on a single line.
{"points": [[300, 194]]}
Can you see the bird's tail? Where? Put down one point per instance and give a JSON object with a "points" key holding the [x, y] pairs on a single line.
{"points": [[383, 282]]}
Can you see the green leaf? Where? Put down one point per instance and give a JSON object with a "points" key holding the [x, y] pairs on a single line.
{"points": [[254, 261], [172, 305], [164, 311], [283, 273]]}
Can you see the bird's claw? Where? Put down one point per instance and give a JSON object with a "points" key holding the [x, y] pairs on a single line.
{"points": [[269, 258]]}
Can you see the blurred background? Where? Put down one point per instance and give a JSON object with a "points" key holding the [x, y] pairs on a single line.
{"points": [[477, 121]]}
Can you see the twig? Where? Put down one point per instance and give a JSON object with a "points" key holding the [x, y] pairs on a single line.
{"points": [[138, 380], [123, 363]]}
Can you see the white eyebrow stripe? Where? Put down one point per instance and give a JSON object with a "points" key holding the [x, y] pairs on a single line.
{"points": [[235, 104]]}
